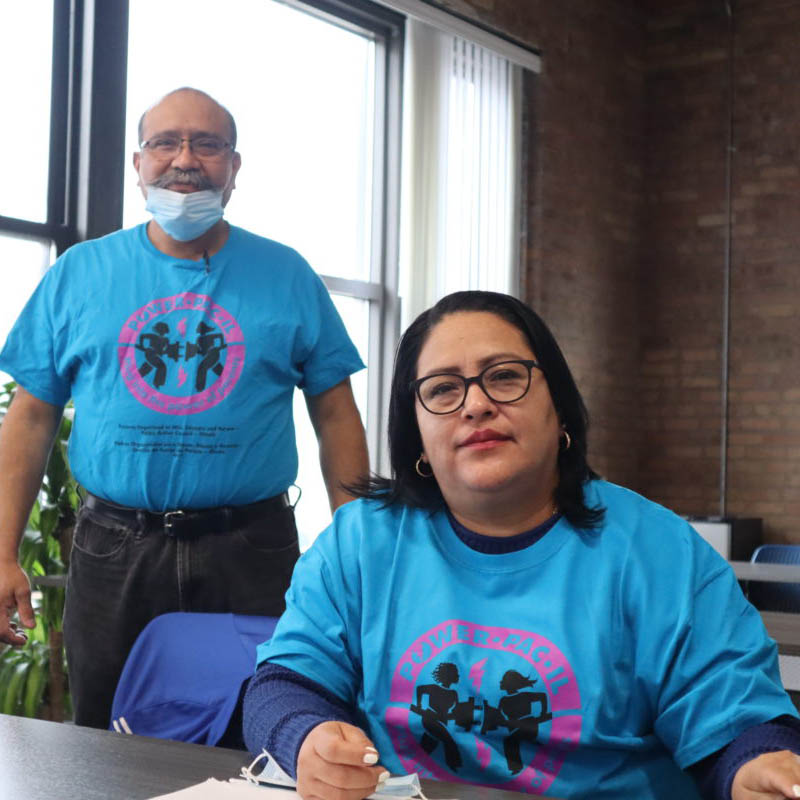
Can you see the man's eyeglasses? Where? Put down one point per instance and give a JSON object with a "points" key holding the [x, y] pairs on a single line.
{"points": [[164, 147], [446, 392]]}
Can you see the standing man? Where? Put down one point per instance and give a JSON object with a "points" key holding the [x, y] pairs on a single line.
{"points": [[180, 343]]}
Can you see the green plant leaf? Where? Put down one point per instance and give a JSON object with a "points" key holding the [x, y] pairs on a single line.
{"points": [[34, 688], [73, 497], [7, 663], [39, 632], [52, 609], [49, 520], [34, 519], [29, 550], [57, 473], [24, 671], [16, 682]]}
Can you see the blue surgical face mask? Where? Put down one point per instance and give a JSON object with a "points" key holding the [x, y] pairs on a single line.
{"points": [[184, 216], [399, 787]]}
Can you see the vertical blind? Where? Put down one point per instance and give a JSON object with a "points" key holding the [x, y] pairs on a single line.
{"points": [[476, 248], [461, 133]]}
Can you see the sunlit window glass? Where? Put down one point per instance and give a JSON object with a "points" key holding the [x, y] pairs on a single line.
{"points": [[312, 512], [24, 262], [26, 52], [302, 92]]}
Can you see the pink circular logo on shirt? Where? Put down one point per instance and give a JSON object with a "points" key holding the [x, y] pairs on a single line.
{"points": [[182, 354], [473, 702]]}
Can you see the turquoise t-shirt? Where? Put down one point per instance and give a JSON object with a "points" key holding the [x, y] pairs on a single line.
{"points": [[182, 373], [589, 665]]}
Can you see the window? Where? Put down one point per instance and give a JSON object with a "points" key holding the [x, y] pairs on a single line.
{"points": [[310, 93], [27, 49], [28, 213], [28, 258]]}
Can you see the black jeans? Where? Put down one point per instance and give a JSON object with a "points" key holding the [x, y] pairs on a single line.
{"points": [[120, 578]]}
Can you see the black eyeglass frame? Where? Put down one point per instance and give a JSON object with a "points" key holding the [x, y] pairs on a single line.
{"points": [[528, 363], [147, 146]]}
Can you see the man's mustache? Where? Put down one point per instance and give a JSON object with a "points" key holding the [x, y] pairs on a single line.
{"points": [[188, 177]]}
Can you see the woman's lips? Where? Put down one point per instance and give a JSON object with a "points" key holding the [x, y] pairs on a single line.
{"points": [[484, 439]]}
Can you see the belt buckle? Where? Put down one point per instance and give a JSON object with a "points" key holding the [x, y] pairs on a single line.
{"points": [[169, 516]]}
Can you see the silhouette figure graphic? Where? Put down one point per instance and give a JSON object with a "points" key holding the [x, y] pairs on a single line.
{"points": [[517, 709], [155, 346], [441, 700], [209, 345]]}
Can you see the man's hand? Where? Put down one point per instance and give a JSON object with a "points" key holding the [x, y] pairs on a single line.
{"points": [[26, 437], [770, 776], [15, 594], [335, 763]]}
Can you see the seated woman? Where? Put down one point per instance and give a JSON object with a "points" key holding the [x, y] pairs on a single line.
{"points": [[494, 613]]}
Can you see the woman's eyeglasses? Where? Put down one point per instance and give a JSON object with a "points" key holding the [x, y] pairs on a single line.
{"points": [[446, 392]]}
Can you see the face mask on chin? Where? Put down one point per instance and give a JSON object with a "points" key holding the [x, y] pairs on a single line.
{"points": [[184, 216]]}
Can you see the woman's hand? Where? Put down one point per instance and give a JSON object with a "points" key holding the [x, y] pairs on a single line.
{"points": [[335, 762], [768, 776]]}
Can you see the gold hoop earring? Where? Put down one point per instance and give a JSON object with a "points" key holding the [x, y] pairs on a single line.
{"points": [[568, 440], [418, 468]]}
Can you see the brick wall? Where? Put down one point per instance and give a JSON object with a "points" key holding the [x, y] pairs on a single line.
{"points": [[695, 55], [764, 463], [683, 255]]}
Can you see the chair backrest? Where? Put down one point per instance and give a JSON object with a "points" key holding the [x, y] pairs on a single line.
{"points": [[183, 676], [775, 596]]}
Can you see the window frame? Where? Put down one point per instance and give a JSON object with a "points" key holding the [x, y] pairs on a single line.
{"points": [[87, 124], [55, 228], [382, 289]]}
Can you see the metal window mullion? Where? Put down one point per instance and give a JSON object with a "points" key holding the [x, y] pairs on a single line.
{"points": [[104, 54], [59, 105], [24, 227], [352, 15], [362, 290], [390, 316], [378, 271], [73, 132]]}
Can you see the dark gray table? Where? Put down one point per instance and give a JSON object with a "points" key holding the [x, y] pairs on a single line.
{"points": [[783, 627], [51, 761], [772, 573], [785, 630]]}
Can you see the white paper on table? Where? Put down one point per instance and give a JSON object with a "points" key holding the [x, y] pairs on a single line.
{"points": [[213, 789], [233, 789], [279, 786]]}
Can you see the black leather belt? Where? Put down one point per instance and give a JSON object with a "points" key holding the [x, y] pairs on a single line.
{"points": [[188, 523]]}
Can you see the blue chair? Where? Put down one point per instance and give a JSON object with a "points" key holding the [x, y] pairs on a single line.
{"points": [[775, 596], [185, 675]]}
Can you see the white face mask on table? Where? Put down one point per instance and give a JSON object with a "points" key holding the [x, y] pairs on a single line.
{"points": [[395, 788]]}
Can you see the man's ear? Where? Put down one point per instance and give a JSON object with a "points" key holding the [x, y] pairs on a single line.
{"points": [[236, 165]]}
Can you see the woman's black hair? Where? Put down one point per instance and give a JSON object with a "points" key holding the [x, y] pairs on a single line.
{"points": [[405, 444]]}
